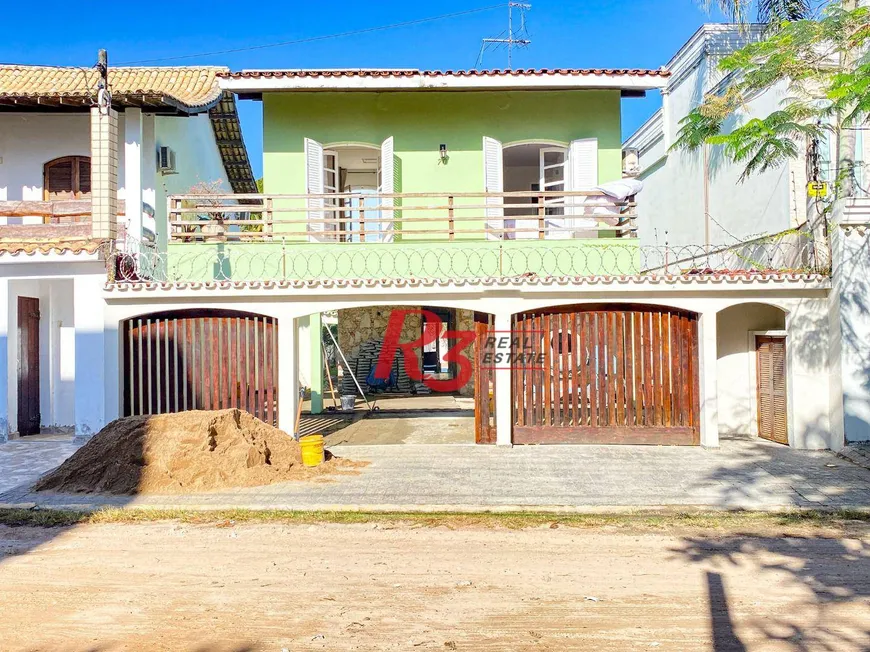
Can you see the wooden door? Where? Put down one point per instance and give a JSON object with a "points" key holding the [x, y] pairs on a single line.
{"points": [[771, 390], [607, 374], [28, 366], [207, 359], [484, 383]]}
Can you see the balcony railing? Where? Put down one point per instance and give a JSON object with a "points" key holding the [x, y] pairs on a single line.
{"points": [[45, 212], [362, 217]]}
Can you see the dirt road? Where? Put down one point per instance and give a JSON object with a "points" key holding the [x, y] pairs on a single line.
{"points": [[172, 586]]}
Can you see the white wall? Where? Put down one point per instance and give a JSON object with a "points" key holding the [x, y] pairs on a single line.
{"points": [[197, 160], [56, 351], [28, 141], [851, 319], [671, 205], [735, 359]]}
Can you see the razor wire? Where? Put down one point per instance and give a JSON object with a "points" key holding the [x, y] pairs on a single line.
{"points": [[407, 260]]}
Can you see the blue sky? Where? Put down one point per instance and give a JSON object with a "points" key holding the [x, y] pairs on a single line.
{"points": [[607, 34]]}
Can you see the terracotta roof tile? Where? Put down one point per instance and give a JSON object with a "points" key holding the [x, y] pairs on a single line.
{"points": [[187, 88], [363, 72], [13, 247]]}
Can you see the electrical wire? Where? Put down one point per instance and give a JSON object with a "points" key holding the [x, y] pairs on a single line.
{"points": [[324, 37]]}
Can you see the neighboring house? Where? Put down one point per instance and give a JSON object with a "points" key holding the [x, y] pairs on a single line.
{"points": [[68, 181], [492, 198], [697, 197], [683, 205]]}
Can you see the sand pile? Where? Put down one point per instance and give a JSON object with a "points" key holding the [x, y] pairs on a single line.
{"points": [[185, 452]]}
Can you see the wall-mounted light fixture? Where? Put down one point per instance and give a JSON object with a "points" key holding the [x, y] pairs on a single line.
{"points": [[442, 152]]}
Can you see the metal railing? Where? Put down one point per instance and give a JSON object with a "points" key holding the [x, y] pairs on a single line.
{"points": [[275, 261], [362, 217]]}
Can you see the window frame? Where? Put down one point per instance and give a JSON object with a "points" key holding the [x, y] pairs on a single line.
{"points": [[75, 162]]}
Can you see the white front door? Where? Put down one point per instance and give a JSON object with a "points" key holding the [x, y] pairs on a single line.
{"points": [[553, 165]]}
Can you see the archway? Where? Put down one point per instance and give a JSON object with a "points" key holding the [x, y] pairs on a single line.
{"points": [[751, 368]]}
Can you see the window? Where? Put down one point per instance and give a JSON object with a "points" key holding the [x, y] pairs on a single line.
{"points": [[68, 177]]}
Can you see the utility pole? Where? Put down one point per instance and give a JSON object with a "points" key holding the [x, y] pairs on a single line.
{"points": [[517, 38], [104, 96]]}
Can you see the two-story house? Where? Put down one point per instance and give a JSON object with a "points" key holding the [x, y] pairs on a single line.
{"points": [[70, 177], [494, 199]]}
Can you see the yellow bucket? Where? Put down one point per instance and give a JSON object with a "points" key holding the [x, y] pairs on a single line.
{"points": [[312, 450]]}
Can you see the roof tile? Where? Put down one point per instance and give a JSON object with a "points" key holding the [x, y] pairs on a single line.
{"points": [[190, 89]]}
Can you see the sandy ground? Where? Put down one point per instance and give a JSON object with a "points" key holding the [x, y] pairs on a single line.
{"points": [[447, 428], [171, 586]]}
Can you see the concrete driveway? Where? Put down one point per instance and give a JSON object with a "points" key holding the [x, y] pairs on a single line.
{"points": [[751, 474]]}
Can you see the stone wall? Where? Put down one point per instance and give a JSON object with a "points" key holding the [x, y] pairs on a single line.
{"points": [[359, 325]]}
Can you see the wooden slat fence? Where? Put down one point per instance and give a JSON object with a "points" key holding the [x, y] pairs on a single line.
{"points": [[201, 360], [607, 374]]}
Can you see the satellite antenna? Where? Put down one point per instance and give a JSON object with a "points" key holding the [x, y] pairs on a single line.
{"points": [[518, 38]]}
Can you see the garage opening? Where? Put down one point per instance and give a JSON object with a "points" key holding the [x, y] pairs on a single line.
{"points": [[425, 396], [207, 359], [607, 374]]}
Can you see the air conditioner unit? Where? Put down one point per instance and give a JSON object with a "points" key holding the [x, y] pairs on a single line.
{"points": [[166, 160]]}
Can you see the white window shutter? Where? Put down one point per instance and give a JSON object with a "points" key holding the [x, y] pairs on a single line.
{"points": [[493, 174], [583, 164], [314, 180], [583, 159], [388, 185]]}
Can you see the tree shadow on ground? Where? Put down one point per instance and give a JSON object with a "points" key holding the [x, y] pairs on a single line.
{"points": [[765, 474], [832, 578]]}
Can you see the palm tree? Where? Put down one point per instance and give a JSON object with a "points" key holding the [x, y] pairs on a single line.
{"points": [[767, 11]]}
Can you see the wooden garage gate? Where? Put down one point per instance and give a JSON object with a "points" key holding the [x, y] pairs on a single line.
{"points": [[607, 374], [201, 360]]}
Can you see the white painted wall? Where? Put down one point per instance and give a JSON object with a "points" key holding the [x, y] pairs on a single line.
{"points": [[56, 356], [671, 205], [807, 329], [28, 141], [851, 321], [735, 358], [197, 160]]}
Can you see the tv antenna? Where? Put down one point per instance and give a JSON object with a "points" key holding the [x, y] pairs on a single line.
{"points": [[517, 38]]}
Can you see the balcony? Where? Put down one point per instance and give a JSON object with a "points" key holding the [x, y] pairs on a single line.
{"points": [[45, 219], [365, 218], [61, 219], [370, 236]]}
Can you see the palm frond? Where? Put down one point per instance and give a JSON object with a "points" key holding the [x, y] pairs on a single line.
{"points": [[777, 11]]}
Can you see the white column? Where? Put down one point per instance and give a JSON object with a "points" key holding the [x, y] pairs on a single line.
{"points": [[503, 406], [133, 172], [112, 367], [90, 378], [149, 176], [4, 360], [288, 373], [708, 378]]}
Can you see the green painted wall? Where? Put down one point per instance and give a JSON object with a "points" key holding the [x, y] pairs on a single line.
{"points": [[420, 121], [293, 260]]}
